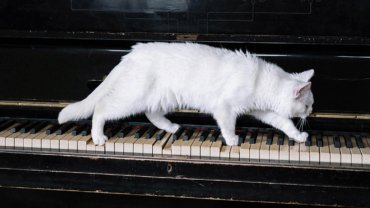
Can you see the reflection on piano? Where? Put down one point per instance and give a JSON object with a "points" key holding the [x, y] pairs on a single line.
{"points": [[53, 53]]}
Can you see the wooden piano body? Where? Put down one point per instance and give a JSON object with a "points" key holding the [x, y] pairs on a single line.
{"points": [[55, 52]]}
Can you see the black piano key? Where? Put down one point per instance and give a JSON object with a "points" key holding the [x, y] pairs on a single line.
{"points": [[124, 131], [308, 141], [359, 142], [6, 124], [140, 132], [223, 141], [178, 133], [28, 127], [253, 138], [270, 135], [319, 141], [188, 133], [19, 126], [215, 135], [151, 132], [280, 140], [348, 142], [79, 129], [242, 136], [35, 129], [336, 141], [64, 128], [203, 136], [52, 129], [160, 134], [86, 131], [290, 142], [112, 131]]}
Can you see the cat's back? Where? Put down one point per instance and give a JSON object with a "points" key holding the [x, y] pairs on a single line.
{"points": [[188, 50]]}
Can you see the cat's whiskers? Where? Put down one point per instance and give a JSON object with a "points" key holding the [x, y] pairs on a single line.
{"points": [[301, 123]]}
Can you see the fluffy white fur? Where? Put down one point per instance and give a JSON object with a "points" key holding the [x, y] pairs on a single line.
{"points": [[156, 78]]}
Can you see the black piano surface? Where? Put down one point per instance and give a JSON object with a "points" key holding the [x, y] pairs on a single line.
{"points": [[55, 52]]}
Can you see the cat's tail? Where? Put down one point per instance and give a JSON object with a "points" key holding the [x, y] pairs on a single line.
{"points": [[85, 108], [82, 109]]}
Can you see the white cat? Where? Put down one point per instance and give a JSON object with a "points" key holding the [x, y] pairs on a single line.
{"points": [[156, 78]]}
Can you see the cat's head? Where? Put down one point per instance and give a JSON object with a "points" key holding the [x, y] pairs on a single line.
{"points": [[301, 97]]}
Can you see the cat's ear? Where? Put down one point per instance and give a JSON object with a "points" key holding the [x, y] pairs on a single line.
{"points": [[301, 89], [305, 76]]}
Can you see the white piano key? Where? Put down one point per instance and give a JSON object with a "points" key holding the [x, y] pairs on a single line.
{"points": [[167, 149], [139, 146], [73, 143], [55, 141], [148, 145], [345, 153], [46, 141], [10, 140], [314, 151], [356, 156], [264, 149], [176, 146], [324, 151], [28, 140], [160, 144], [37, 140], [109, 145], [216, 148], [304, 153], [4, 134], [294, 153], [186, 145], [128, 146], [19, 140], [334, 152], [284, 151], [254, 151], [234, 153], [205, 149], [244, 152], [82, 143], [64, 142], [90, 146], [225, 152], [274, 149], [195, 148], [119, 144], [366, 151], [100, 149]]}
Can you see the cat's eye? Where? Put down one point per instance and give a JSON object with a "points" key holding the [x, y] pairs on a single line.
{"points": [[306, 107]]}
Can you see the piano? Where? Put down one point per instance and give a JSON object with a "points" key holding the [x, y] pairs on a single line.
{"points": [[56, 52]]}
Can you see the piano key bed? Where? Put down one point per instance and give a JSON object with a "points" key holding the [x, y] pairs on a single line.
{"points": [[191, 142], [194, 162]]}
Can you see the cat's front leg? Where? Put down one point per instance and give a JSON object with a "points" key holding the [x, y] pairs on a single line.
{"points": [[226, 121], [284, 124]]}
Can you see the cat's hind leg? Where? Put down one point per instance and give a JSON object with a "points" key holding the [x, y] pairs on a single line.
{"points": [[226, 120], [160, 121], [98, 121]]}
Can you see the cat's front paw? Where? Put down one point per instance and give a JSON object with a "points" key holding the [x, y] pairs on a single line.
{"points": [[173, 128], [99, 139], [301, 137], [232, 140]]}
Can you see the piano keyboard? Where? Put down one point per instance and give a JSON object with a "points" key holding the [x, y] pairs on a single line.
{"points": [[256, 145]]}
